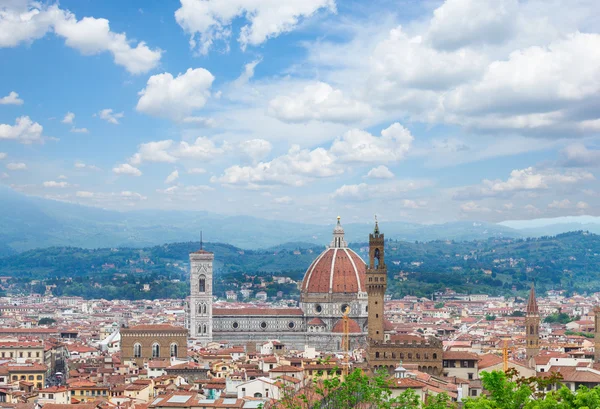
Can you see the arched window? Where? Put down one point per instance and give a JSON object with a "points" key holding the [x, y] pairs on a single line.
{"points": [[258, 395], [376, 258], [434, 355], [137, 350], [155, 350], [531, 329], [174, 349], [202, 284], [376, 354], [203, 308], [199, 308], [204, 331]]}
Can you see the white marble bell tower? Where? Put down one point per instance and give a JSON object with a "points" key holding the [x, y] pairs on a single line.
{"points": [[201, 295]]}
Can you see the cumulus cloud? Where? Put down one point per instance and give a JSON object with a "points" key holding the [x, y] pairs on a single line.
{"points": [[480, 22], [210, 21], [294, 168], [391, 190], [24, 131], [175, 98], [11, 99], [16, 166], [167, 151], [283, 200], [256, 149], [69, 118], [111, 117], [79, 130], [578, 155], [528, 179], [360, 146], [127, 169], [82, 165], [173, 176], [560, 204], [84, 194], [319, 102], [27, 21], [472, 207], [53, 184], [247, 74], [380, 172], [3, 155]]}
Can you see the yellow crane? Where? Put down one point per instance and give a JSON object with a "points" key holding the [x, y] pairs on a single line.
{"points": [[346, 338]]}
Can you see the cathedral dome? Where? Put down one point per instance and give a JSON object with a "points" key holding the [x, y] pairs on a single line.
{"points": [[353, 327], [336, 270]]}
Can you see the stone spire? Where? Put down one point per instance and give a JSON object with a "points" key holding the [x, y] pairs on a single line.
{"points": [[532, 326], [532, 306], [338, 241]]}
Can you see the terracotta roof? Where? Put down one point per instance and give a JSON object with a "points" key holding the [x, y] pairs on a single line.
{"points": [[316, 321], [353, 327], [336, 270], [286, 368], [257, 311], [487, 360], [154, 327], [532, 306], [573, 374], [407, 383], [459, 355]]}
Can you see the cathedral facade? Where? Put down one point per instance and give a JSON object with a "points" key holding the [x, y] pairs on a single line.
{"points": [[333, 283]]}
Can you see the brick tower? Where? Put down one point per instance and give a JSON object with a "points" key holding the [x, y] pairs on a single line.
{"points": [[596, 334], [532, 326], [376, 284]]}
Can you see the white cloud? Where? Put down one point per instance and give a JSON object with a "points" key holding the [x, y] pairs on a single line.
{"points": [[28, 21], [582, 205], [11, 99], [173, 176], [175, 98], [413, 204], [256, 149], [294, 168], [69, 117], [247, 74], [62, 177], [111, 117], [81, 165], [196, 171], [4, 175], [528, 179], [560, 204], [578, 155], [24, 131], [380, 172], [390, 190], [53, 184], [319, 102], [210, 21], [480, 22], [283, 200], [127, 169], [199, 121], [3, 155], [133, 196], [360, 146], [202, 148], [154, 152], [84, 194], [16, 166], [472, 207], [79, 130]]}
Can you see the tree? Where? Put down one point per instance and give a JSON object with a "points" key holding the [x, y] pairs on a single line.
{"points": [[46, 321]]}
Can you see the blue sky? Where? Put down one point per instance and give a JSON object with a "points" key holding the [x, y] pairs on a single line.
{"points": [[425, 111]]}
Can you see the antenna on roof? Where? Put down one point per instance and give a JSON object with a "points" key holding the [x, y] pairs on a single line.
{"points": [[200, 239]]}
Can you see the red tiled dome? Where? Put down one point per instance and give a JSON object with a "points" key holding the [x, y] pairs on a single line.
{"points": [[353, 327], [336, 270]]}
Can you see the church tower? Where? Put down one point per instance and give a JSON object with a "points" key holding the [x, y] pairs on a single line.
{"points": [[376, 284], [597, 334], [201, 296], [532, 326]]}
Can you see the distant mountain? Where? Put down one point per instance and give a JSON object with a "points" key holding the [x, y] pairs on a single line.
{"points": [[31, 222], [554, 226]]}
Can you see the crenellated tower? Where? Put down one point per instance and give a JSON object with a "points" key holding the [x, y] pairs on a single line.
{"points": [[376, 284], [532, 326], [596, 334]]}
